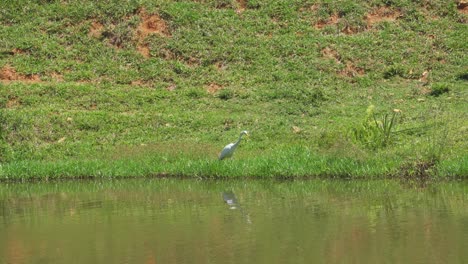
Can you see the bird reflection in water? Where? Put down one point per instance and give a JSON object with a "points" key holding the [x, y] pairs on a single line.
{"points": [[231, 200]]}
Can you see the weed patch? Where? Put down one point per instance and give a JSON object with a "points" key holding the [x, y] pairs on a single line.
{"points": [[376, 132], [438, 89], [417, 173]]}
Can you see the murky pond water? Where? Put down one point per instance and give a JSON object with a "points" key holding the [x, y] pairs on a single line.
{"points": [[188, 221]]}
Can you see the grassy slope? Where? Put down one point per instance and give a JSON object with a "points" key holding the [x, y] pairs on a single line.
{"points": [[112, 88]]}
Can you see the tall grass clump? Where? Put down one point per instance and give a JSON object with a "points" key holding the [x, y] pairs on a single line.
{"points": [[374, 131], [5, 149], [453, 168]]}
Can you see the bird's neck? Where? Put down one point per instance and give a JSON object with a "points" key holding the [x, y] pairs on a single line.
{"points": [[238, 140]]}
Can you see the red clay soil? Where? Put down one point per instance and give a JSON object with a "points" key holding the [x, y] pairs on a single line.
{"points": [[144, 50], [150, 24], [8, 74], [331, 54], [351, 70], [95, 29], [376, 16], [462, 6], [332, 20], [382, 14], [212, 88], [242, 6]]}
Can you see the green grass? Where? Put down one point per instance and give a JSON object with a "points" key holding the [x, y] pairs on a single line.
{"points": [[101, 108], [289, 163]]}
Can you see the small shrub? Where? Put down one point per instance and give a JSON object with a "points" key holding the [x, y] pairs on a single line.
{"points": [[225, 94], [195, 93], [180, 68], [394, 71], [462, 76], [439, 89], [375, 132]]}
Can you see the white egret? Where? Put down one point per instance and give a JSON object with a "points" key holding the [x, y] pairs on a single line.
{"points": [[228, 150]]}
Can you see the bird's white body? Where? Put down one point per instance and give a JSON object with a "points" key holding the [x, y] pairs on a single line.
{"points": [[228, 150]]}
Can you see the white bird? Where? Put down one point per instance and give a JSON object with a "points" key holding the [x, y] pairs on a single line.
{"points": [[228, 150]]}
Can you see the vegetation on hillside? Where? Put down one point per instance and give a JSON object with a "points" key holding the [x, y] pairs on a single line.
{"points": [[141, 87]]}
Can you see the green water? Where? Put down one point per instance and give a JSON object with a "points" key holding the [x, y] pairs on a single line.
{"points": [[189, 221]]}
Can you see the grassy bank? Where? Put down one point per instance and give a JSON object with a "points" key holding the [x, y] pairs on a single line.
{"points": [[360, 89]]}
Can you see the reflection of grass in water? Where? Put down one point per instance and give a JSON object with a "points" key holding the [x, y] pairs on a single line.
{"points": [[387, 191], [350, 216]]}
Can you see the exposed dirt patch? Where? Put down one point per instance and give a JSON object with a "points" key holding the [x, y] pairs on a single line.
{"points": [[376, 16], [137, 83], [382, 14], [212, 88], [13, 102], [331, 54], [332, 20], [95, 30], [93, 106], [311, 8], [351, 70], [192, 61], [58, 77], [8, 73], [349, 30], [16, 51], [150, 24], [166, 54], [144, 50], [424, 77], [462, 6], [242, 5], [171, 87], [220, 66]]}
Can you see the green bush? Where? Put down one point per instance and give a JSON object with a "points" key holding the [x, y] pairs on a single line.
{"points": [[375, 131], [438, 89]]}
